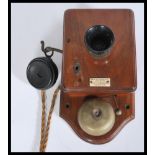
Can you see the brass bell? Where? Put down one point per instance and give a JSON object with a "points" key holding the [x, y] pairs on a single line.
{"points": [[96, 117]]}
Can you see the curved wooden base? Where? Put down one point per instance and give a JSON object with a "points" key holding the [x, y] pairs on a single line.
{"points": [[71, 103]]}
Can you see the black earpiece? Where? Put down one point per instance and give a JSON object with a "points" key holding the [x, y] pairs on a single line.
{"points": [[42, 72]]}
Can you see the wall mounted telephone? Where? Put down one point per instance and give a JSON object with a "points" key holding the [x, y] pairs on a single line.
{"points": [[98, 72]]}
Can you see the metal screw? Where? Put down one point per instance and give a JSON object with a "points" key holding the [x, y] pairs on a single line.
{"points": [[118, 112]]}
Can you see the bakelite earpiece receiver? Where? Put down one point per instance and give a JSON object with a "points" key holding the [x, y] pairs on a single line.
{"points": [[42, 72]]}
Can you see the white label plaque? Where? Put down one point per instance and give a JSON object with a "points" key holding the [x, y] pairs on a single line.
{"points": [[99, 82]]}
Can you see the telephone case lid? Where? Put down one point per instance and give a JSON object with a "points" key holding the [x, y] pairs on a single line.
{"points": [[119, 67]]}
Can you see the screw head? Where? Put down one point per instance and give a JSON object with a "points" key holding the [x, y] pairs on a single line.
{"points": [[118, 112]]}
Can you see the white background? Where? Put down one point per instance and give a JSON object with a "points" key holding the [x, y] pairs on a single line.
{"points": [[31, 23]]}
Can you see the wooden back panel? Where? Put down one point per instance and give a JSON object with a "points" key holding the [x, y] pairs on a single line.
{"points": [[119, 66]]}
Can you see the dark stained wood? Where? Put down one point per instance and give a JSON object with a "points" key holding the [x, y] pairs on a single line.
{"points": [[119, 66]]}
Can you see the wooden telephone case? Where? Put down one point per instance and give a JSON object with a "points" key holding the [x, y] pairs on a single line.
{"points": [[78, 66]]}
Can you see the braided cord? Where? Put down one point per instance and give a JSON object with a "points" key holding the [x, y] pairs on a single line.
{"points": [[43, 118], [45, 127]]}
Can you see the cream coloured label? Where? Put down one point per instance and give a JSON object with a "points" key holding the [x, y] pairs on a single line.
{"points": [[99, 82]]}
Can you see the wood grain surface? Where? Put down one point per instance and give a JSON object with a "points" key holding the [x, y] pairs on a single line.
{"points": [[119, 66]]}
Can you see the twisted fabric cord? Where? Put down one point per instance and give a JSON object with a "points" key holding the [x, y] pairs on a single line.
{"points": [[43, 118], [45, 128]]}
